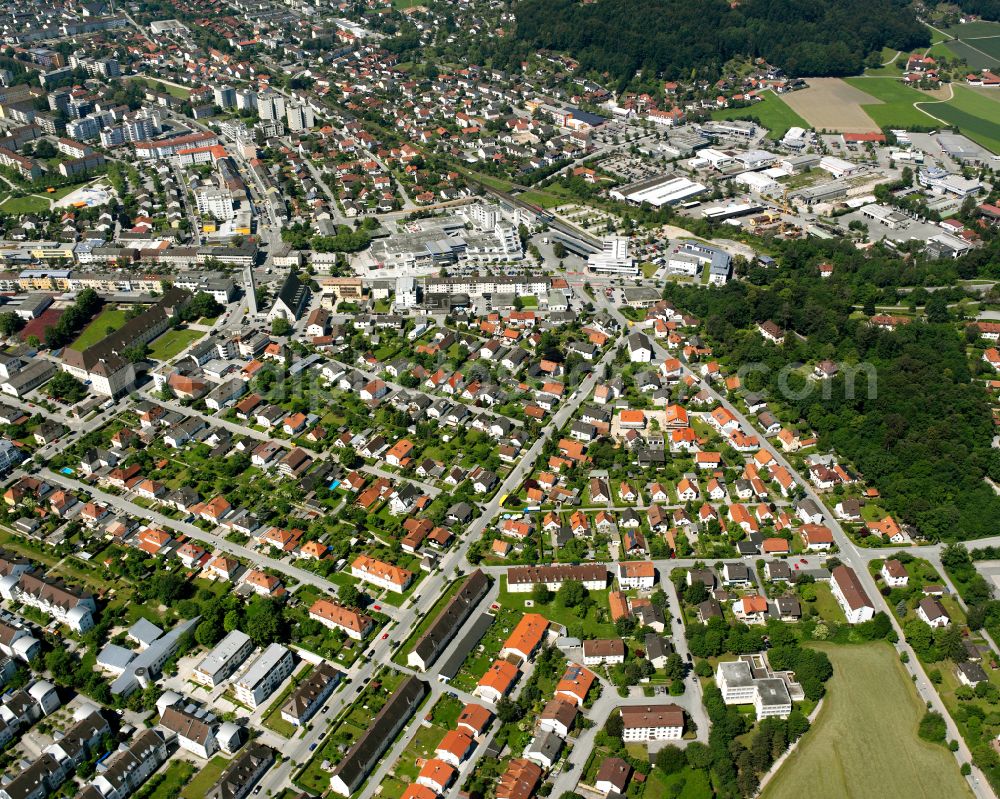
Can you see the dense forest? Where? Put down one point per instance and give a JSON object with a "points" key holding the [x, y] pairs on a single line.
{"points": [[673, 38], [921, 435], [987, 9]]}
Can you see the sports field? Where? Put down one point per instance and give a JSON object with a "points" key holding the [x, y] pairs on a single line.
{"points": [[772, 112], [864, 742], [98, 329]]}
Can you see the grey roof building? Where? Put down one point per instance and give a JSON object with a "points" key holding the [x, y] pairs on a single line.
{"points": [[444, 628], [360, 758], [292, 299], [242, 773]]}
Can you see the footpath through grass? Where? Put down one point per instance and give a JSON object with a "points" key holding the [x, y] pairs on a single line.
{"points": [[864, 742], [896, 109], [977, 116]]}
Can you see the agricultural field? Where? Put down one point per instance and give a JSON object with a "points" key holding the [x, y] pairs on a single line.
{"points": [[982, 39], [892, 106], [832, 104], [870, 690], [975, 114], [772, 112]]}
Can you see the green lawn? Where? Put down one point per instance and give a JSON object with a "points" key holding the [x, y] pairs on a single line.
{"points": [[205, 779], [420, 748], [488, 180], [174, 91], [596, 624], [772, 112], [446, 711], [272, 717], [978, 117], [688, 782], [63, 191], [826, 605], [896, 109], [173, 779], [888, 68], [24, 205], [542, 198], [97, 330], [173, 342], [864, 741]]}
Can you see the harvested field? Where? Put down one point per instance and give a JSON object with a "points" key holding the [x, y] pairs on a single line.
{"points": [[831, 104]]}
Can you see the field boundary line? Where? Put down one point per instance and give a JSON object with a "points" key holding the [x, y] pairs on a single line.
{"points": [[919, 103], [777, 764]]}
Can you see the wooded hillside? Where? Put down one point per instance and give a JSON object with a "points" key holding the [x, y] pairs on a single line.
{"points": [[675, 37]]}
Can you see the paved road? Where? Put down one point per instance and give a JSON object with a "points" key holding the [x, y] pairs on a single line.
{"points": [[216, 421], [213, 541], [858, 559], [454, 563]]}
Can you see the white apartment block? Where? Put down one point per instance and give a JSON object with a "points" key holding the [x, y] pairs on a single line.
{"points": [[214, 202], [847, 590], [52, 598], [652, 723], [300, 117], [264, 675], [224, 659]]}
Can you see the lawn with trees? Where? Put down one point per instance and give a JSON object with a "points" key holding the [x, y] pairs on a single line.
{"points": [[926, 451], [771, 112]]}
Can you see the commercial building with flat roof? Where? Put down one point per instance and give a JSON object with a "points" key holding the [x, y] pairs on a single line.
{"points": [[658, 192]]}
